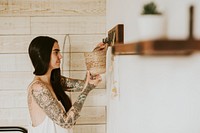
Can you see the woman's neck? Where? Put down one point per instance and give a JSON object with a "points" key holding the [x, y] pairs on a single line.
{"points": [[45, 78]]}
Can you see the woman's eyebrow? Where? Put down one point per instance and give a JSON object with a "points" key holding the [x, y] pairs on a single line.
{"points": [[57, 50]]}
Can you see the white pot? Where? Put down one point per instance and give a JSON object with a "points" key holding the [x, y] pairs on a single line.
{"points": [[151, 27]]}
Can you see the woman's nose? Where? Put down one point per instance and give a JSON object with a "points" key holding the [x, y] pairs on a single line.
{"points": [[60, 56]]}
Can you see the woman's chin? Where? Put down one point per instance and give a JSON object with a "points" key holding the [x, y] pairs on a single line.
{"points": [[57, 67]]}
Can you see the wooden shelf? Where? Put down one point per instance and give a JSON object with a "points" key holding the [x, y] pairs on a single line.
{"points": [[157, 47]]}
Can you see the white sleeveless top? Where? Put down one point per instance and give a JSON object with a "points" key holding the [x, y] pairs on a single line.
{"points": [[48, 126]]}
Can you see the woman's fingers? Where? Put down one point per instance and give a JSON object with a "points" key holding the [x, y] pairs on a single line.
{"points": [[95, 80], [100, 46], [98, 77], [87, 77]]}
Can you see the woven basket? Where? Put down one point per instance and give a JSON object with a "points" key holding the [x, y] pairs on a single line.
{"points": [[96, 61]]}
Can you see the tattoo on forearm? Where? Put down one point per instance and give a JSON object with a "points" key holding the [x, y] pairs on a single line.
{"points": [[72, 84], [53, 109], [81, 98]]}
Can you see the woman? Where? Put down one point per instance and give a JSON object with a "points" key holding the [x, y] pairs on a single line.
{"points": [[50, 108]]}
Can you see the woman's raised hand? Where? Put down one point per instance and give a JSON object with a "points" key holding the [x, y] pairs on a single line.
{"points": [[100, 46]]}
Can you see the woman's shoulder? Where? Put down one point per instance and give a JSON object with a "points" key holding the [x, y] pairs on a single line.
{"points": [[37, 85]]}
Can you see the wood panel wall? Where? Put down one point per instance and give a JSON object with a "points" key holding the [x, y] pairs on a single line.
{"points": [[78, 26]]}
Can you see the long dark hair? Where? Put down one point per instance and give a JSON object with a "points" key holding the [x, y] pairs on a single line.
{"points": [[40, 50]]}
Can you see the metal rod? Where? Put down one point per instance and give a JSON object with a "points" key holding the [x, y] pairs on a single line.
{"points": [[13, 128]]}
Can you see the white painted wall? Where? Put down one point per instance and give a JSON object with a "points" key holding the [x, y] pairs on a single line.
{"points": [[154, 94]]}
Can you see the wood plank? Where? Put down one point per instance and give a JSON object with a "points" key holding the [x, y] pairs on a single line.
{"points": [[14, 44], [15, 62], [77, 61], [65, 65], [126, 49], [20, 43], [13, 99], [96, 97], [15, 81], [101, 128], [158, 47], [14, 25], [92, 115], [50, 8], [14, 116], [85, 43], [116, 34], [68, 25], [20, 116], [65, 73]]}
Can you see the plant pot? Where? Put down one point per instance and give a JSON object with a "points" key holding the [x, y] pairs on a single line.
{"points": [[151, 27]]}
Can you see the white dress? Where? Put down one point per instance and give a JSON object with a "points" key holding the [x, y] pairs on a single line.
{"points": [[48, 126]]}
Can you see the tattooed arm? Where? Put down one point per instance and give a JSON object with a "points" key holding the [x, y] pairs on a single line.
{"points": [[72, 85], [53, 109]]}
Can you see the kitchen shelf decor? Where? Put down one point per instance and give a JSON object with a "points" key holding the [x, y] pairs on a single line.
{"points": [[160, 46]]}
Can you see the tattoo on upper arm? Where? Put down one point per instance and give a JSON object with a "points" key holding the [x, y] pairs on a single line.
{"points": [[53, 109]]}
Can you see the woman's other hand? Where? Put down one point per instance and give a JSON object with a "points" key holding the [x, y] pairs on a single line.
{"points": [[100, 46]]}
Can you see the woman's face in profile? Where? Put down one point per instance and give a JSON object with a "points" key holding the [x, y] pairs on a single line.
{"points": [[56, 57]]}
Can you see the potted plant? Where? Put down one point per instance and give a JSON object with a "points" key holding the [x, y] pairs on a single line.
{"points": [[151, 23], [150, 8]]}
